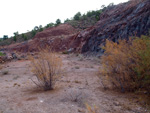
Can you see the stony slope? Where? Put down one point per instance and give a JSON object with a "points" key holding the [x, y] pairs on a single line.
{"points": [[116, 22], [58, 38], [120, 22]]}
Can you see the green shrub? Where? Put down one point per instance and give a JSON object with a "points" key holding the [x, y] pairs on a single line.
{"points": [[40, 28], [67, 20], [33, 32], [24, 37], [2, 54], [16, 33], [5, 37], [15, 38], [58, 21], [49, 25], [77, 16]]}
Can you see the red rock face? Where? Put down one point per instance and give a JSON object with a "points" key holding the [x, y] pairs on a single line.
{"points": [[63, 29], [116, 22], [58, 38]]}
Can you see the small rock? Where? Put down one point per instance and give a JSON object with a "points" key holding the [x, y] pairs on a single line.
{"points": [[116, 103]]}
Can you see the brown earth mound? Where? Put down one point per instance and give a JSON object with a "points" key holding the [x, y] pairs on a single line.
{"points": [[63, 29], [58, 38]]}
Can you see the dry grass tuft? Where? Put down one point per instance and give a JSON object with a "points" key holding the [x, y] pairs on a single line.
{"points": [[90, 109]]}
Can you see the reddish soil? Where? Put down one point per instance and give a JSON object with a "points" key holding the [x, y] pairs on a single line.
{"points": [[58, 38], [78, 85], [63, 29]]}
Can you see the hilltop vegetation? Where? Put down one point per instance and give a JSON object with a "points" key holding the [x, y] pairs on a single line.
{"points": [[78, 21]]}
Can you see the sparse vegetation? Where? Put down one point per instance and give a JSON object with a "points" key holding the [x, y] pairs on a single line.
{"points": [[5, 37], [90, 109], [126, 64], [47, 68], [65, 52], [49, 25], [75, 95], [2, 54], [5, 72], [78, 21], [24, 37], [33, 32], [16, 33], [40, 28], [77, 16], [58, 21], [15, 38]]}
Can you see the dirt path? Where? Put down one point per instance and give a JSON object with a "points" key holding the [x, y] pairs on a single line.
{"points": [[78, 85]]}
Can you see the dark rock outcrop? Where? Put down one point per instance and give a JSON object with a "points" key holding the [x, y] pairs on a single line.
{"points": [[116, 22], [120, 22]]}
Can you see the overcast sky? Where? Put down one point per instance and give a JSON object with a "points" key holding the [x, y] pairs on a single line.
{"points": [[23, 15]]}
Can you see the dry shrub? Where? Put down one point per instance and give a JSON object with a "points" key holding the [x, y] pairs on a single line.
{"points": [[47, 68], [126, 64], [90, 109]]}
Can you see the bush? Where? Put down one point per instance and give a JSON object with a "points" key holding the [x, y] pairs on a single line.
{"points": [[24, 37], [77, 16], [67, 20], [127, 64], [40, 28], [33, 32], [49, 25], [5, 37], [16, 33], [2, 54], [15, 38], [47, 68], [90, 109], [58, 21]]}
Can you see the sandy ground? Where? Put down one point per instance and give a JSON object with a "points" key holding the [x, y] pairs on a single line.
{"points": [[78, 86]]}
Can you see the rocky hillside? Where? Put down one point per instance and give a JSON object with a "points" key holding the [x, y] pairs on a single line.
{"points": [[117, 22], [58, 38]]}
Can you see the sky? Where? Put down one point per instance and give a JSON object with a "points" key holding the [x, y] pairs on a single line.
{"points": [[24, 15]]}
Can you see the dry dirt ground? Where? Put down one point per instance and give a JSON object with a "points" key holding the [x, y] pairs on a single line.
{"points": [[78, 86]]}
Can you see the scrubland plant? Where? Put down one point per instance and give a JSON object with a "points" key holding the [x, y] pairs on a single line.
{"points": [[90, 109], [47, 68], [126, 64]]}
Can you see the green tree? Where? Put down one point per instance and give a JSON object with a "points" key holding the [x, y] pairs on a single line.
{"points": [[97, 14], [36, 28], [89, 14], [15, 38], [50, 25], [58, 21], [24, 37], [33, 32], [5, 37], [103, 6], [16, 33], [66, 20], [77, 16], [40, 28]]}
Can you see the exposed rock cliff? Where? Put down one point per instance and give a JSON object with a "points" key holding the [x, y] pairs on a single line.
{"points": [[116, 22], [119, 22]]}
